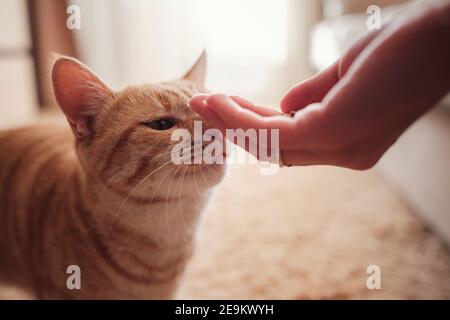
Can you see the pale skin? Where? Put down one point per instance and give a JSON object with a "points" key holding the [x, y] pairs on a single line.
{"points": [[349, 114]]}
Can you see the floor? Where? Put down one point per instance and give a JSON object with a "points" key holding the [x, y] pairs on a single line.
{"points": [[311, 233]]}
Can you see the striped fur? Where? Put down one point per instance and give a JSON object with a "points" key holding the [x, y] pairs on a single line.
{"points": [[108, 200]]}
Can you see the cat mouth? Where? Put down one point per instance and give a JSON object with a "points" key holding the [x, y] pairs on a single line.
{"points": [[194, 168]]}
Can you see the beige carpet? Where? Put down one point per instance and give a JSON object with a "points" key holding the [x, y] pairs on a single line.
{"points": [[310, 233]]}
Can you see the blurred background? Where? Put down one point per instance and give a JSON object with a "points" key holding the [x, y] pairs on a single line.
{"points": [[305, 233]]}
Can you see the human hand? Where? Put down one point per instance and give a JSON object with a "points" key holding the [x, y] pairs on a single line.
{"points": [[351, 113]]}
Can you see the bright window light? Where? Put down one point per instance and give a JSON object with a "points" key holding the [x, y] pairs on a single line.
{"points": [[251, 30]]}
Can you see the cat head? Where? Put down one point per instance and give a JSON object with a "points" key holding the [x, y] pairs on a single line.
{"points": [[124, 138]]}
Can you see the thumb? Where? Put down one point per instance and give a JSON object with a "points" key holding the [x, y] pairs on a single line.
{"points": [[315, 89], [310, 91]]}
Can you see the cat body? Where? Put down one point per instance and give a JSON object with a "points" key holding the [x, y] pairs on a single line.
{"points": [[104, 199]]}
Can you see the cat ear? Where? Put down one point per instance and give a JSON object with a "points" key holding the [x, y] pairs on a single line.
{"points": [[197, 73], [79, 93]]}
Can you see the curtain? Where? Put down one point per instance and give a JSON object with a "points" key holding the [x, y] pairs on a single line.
{"points": [[256, 48], [50, 35]]}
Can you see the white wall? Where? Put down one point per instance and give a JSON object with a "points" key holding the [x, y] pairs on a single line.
{"points": [[418, 166]]}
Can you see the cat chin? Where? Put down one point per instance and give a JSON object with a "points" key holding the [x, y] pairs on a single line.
{"points": [[194, 185], [200, 178]]}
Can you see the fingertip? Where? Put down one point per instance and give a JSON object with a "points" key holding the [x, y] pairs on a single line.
{"points": [[311, 90], [217, 99], [198, 100], [292, 99], [286, 104], [243, 102]]}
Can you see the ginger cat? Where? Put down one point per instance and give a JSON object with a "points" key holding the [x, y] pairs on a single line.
{"points": [[106, 196]]}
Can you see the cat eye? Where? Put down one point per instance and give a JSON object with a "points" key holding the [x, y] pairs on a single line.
{"points": [[161, 124]]}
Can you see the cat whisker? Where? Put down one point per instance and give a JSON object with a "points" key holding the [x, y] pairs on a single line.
{"points": [[153, 196], [169, 235], [179, 203], [198, 198], [131, 191], [100, 198]]}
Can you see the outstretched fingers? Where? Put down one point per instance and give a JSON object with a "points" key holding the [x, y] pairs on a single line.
{"points": [[262, 111], [234, 116]]}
